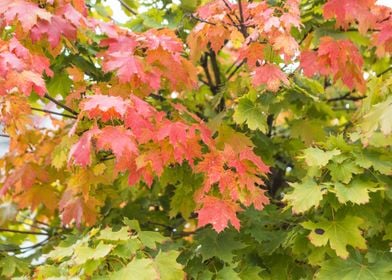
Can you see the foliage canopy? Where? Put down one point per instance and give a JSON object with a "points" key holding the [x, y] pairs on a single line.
{"points": [[198, 139]]}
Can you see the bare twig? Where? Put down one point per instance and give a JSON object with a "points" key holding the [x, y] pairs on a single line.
{"points": [[65, 107], [23, 231], [129, 9], [347, 96], [200, 19], [53, 113], [235, 69], [383, 72]]}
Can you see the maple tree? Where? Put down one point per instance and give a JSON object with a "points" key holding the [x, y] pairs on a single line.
{"points": [[221, 139]]}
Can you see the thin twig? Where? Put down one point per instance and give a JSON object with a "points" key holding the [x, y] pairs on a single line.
{"points": [[235, 69], [22, 231], [28, 248], [4, 135], [242, 21], [200, 19], [347, 96], [383, 72], [129, 9], [53, 113], [65, 107]]}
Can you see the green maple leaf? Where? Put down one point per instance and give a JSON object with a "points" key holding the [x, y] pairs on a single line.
{"points": [[357, 191], [354, 268], [318, 157], [251, 113], [9, 265], [169, 268], [84, 253], [137, 269], [304, 196], [150, 238], [109, 234], [388, 232], [218, 245], [227, 273], [338, 233], [379, 116], [380, 162], [59, 84], [344, 171]]}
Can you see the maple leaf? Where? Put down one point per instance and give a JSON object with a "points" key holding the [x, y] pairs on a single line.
{"points": [[24, 177], [76, 209], [119, 140], [218, 213], [253, 53], [340, 58], [37, 195], [304, 196], [165, 38], [126, 64], [347, 12], [383, 38], [27, 81], [16, 9], [80, 152], [339, 233], [271, 76], [104, 106], [286, 44]]}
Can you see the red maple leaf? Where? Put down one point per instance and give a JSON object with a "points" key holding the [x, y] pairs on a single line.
{"points": [[347, 12], [119, 140], [218, 213], [104, 106], [271, 76], [77, 209], [340, 58], [80, 152]]}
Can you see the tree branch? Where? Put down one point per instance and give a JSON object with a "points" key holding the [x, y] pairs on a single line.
{"points": [[347, 96], [235, 69], [65, 107], [383, 72], [22, 231], [127, 7], [28, 248], [242, 21], [204, 64], [4, 135], [53, 113], [200, 19]]}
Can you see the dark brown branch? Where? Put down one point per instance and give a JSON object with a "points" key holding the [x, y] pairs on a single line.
{"points": [[22, 231], [204, 64], [242, 21], [270, 123], [235, 69], [4, 135], [383, 72], [65, 107], [215, 68], [53, 113], [129, 9], [200, 19], [230, 9], [347, 96], [28, 248], [305, 36]]}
